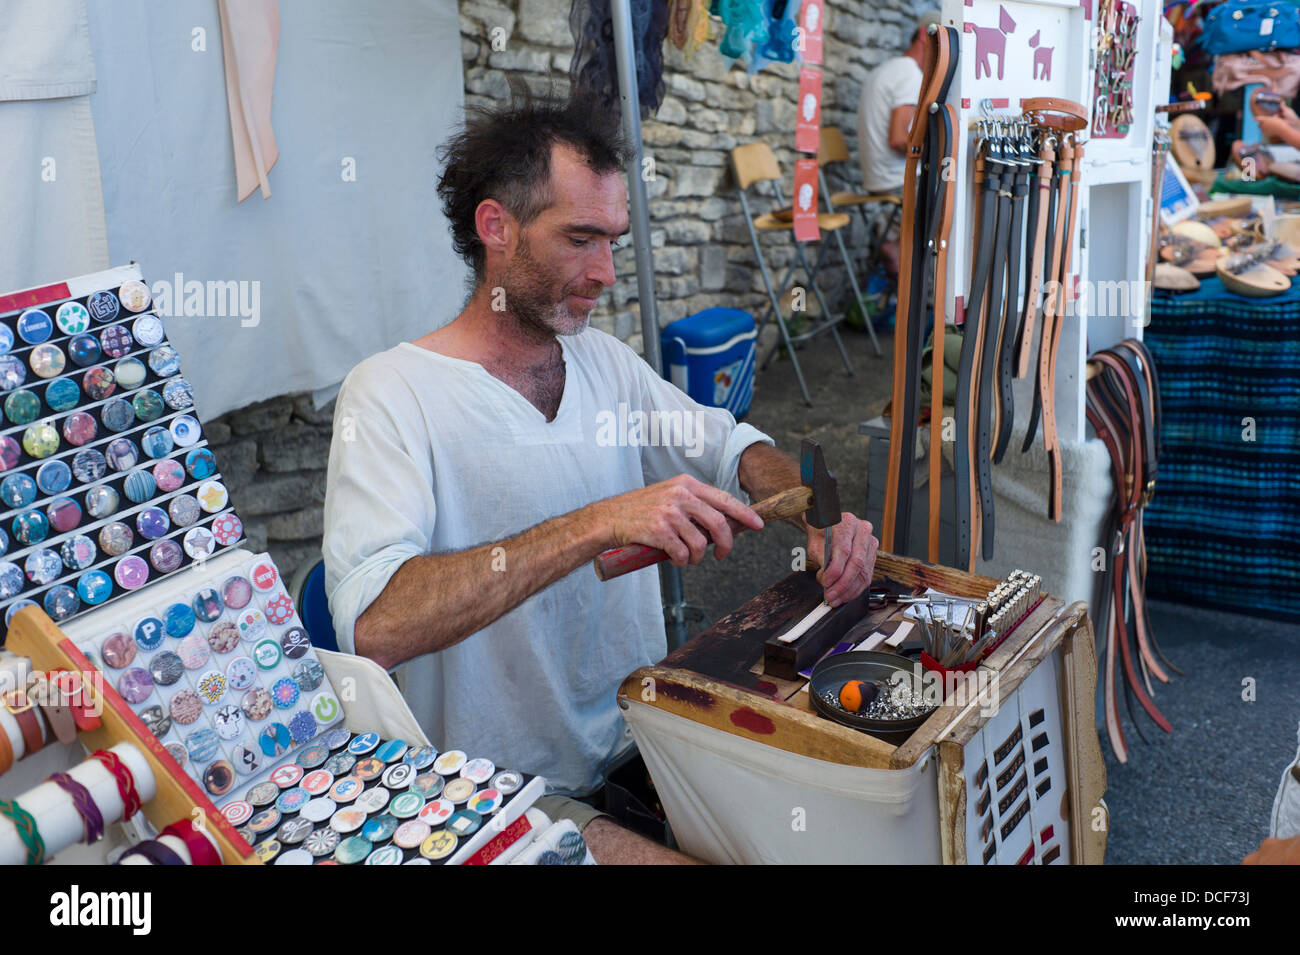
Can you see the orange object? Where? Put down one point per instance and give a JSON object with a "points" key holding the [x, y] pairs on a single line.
{"points": [[854, 694]]}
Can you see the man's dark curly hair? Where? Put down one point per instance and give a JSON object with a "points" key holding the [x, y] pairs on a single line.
{"points": [[504, 153]]}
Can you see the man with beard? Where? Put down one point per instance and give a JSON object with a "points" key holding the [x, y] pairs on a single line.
{"points": [[472, 479]]}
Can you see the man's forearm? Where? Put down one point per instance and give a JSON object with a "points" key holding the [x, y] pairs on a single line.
{"points": [[765, 471], [435, 602]]}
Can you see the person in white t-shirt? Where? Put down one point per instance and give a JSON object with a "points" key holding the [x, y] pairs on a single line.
{"points": [[477, 471], [888, 100]]}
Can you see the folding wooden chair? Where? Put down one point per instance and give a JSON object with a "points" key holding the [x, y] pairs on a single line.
{"points": [[755, 163]]}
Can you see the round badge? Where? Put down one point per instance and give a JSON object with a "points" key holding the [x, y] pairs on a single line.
{"points": [[291, 800], [466, 822], [241, 673], [12, 373], [164, 361], [185, 707], [185, 430], [247, 759], [284, 692], [147, 405], [439, 845], [309, 674], [287, 776], [115, 540], [207, 605], [302, 726], [165, 556], [130, 373], [485, 802], [336, 738], [73, 318], [202, 745], [64, 514], [116, 414], [135, 685], [157, 443], [262, 795], [279, 609], [295, 643], [458, 790], [184, 510], [32, 527], [156, 720], [168, 474], [224, 637], [179, 620], [149, 633], [47, 361], [236, 593], [267, 654], [179, 394], [6, 339], [368, 768], [116, 341], [22, 407], [212, 496], [78, 429], [118, 650], [346, 789], [340, 764], [18, 490], [406, 805], [318, 810], [219, 778], [391, 751], [11, 580], [201, 464], [398, 776], [229, 722], [4, 541], [94, 587], [252, 625], [294, 857], [131, 572], [274, 739], [265, 820], [41, 440], [268, 850], [61, 602], [166, 668], [148, 330], [102, 501], [199, 543], [257, 704], [43, 566], [321, 842], [318, 782], [34, 326], [134, 295], [427, 785], [293, 831], [103, 307], [212, 686], [420, 757], [84, 350], [450, 763], [98, 383], [352, 850], [227, 529], [374, 799], [264, 576], [139, 486], [364, 744], [8, 572], [385, 855], [379, 828], [238, 812], [411, 833], [62, 395], [478, 770], [10, 452]]}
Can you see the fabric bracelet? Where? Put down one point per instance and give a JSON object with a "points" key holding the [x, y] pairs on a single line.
{"points": [[27, 831], [125, 782], [201, 850], [155, 852], [92, 820]]}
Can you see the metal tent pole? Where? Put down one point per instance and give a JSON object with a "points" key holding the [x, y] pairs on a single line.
{"points": [[670, 577]]}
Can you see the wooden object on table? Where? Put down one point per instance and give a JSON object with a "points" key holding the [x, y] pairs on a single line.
{"points": [[1192, 145], [785, 660], [34, 635]]}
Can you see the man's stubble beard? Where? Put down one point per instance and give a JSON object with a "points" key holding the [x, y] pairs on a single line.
{"points": [[531, 298]]}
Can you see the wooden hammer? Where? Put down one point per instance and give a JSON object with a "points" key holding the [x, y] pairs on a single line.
{"points": [[818, 496]]}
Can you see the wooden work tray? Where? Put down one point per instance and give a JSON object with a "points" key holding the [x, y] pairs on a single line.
{"points": [[716, 679]]}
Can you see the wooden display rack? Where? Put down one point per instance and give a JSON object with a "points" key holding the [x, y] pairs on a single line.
{"points": [[33, 635], [713, 680]]}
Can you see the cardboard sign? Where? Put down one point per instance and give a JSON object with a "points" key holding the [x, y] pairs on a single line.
{"points": [[805, 201], [810, 29], [808, 110]]}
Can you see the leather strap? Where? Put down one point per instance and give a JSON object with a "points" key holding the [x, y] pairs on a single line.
{"points": [[988, 358], [6, 751], [202, 852], [24, 711], [1039, 205], [131, 803], [949, 125], [1051, 263], [61, 721], [1011, 314], [1055, 113], [1055, 504]]}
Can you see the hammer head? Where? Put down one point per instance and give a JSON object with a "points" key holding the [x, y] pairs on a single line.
{"points": [[825, 510]]}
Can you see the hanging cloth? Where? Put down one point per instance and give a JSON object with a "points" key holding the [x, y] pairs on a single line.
{"points": [[250, 36], [688, 25], [746, 23], [594, 70]]}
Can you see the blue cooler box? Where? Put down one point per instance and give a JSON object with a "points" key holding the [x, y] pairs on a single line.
{"points": [[710, 356]]}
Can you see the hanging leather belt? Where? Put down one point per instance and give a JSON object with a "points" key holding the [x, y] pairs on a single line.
{"points": [[948, 159], [1039, 206], [924, 194], [1011, 315]]}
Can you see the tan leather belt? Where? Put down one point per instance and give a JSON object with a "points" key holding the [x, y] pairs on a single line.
{"points": [[938, 350], [1041, 203]]}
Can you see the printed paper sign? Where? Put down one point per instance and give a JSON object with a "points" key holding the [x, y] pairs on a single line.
{"points": [[808, 119], [805, 200], [810, 24]]}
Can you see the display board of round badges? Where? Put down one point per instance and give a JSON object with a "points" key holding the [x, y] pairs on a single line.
{"points": [[358, 799], [107, 482], [219, 668]]}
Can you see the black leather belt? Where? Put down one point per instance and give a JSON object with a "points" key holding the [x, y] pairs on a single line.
{"points": [[1011, 315]]}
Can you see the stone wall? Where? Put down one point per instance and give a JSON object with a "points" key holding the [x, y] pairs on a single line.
{"points": [[274, 454]]}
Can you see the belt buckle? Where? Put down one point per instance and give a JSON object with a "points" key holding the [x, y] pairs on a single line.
{"points": [[11, 707]]}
